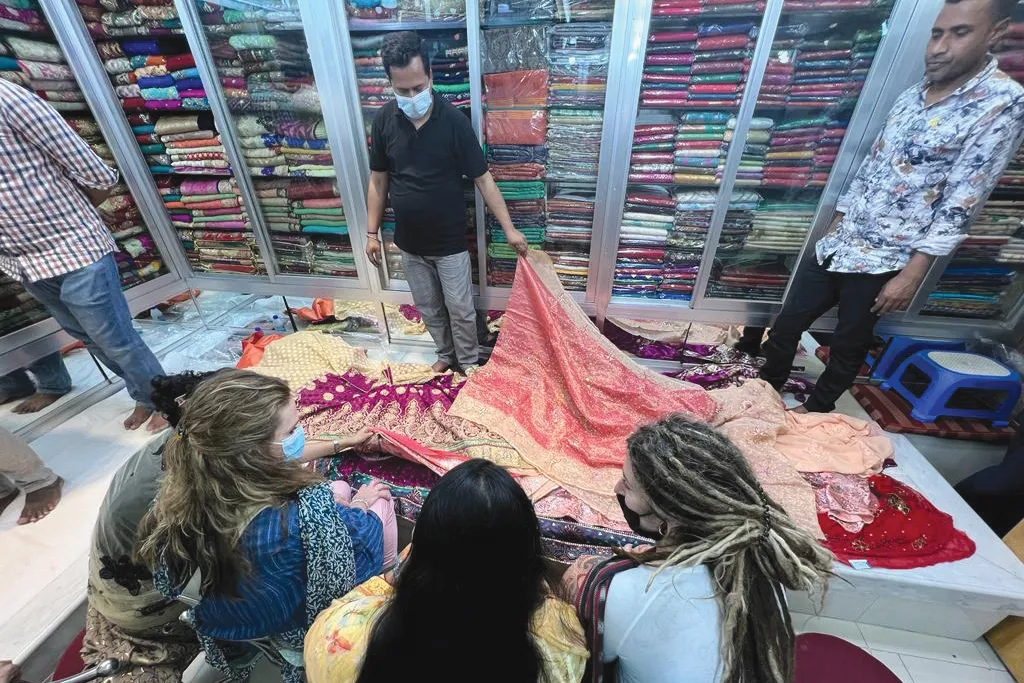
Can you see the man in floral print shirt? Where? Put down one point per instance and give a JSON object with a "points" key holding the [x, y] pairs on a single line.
{"points": [[944, 146]]}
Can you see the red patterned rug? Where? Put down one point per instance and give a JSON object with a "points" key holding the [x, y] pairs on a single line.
{"points": [[892, 413]]}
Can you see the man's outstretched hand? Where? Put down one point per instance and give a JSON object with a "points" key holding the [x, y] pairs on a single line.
{"points": [[517, 241]]}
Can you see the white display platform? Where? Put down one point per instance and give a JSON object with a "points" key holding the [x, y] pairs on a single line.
{"points": [[956, 600]]}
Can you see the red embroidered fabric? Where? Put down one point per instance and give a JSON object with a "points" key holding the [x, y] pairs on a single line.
{"points": [[908, 531]]}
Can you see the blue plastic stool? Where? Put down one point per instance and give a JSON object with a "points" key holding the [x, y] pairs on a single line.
{"points": [[943, 383], [899, 348]]}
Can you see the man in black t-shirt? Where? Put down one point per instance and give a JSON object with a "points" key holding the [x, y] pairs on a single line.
{"points": [[421, 147]]}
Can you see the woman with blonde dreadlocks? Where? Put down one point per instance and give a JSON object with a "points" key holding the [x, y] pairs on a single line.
{"points": [[706, 602]]}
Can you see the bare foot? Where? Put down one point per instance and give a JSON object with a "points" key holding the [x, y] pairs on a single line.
{"points": [[440, 367], [137, 418], [157, 423], [36, 402], [4, 502], [9, 672], [40, 503]]}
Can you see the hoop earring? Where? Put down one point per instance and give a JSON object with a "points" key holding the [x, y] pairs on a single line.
{"points": [[663, 528]]}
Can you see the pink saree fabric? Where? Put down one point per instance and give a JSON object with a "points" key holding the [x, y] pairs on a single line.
{"points": [[563, 395]]}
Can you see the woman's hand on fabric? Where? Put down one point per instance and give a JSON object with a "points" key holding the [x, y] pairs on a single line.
{"points": [[370, 494], [356, 440], [637, 549]]}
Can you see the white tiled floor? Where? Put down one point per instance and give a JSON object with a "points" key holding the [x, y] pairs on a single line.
{"points": [[916, 658]]}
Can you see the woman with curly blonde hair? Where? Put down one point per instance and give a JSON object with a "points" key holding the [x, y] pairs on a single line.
{"points": [[269, 543]]}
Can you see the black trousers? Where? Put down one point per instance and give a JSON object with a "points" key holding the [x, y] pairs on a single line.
{"points": [[815, 290], [997, 493]]}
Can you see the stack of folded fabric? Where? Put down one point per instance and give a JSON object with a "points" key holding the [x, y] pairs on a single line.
{"points": [[780, 227], [23, 16], [137, 257], [514, 48], [1010, 51], [980, 279], [126, 18], [517, 162], [570, 222], [370, 11], [653, 156], [1013, 251], [827, 151], [517, 136], [752, 163], [449, 65], [39, 65], [212, 224], [822, 73], [374, 87], [308, 228], [749, 278], [701, 144], [970, 291], [578, 58], [152, 74], [525, 201], [688, 8], [778, 74], [789, 162], [180, 143], [585, 10], [574, 144], [865, 46], [702, 68], [510, 89], [18, 308], [1013, 176], [285, 145], [643, 236], [579, 50]]}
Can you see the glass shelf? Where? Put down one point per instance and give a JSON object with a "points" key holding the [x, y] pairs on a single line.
{"points": [[267, 78], [819, 61], [545, 77], [694, 76]]}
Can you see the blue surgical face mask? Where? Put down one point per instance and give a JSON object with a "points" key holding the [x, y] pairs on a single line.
{"points": [[417, 106], [293, 444]]}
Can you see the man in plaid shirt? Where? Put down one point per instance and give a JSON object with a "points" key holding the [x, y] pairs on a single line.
{"points": [[53, 239]]}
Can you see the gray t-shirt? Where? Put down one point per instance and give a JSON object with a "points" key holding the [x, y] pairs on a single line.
{"points": [[128, 499], [119, 589]]}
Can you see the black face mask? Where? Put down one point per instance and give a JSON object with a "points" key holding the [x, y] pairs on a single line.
{"points": [[633, 520]]}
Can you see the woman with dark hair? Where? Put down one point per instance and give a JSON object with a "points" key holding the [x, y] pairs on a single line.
{"points": [[470, 603], [706, 603]]}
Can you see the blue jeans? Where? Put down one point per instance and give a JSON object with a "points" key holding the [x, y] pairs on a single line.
{"points": [[89, 305], [51, 377]]}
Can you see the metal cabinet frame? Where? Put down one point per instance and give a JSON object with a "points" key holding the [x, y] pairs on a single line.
{"points": [[327, 30]]}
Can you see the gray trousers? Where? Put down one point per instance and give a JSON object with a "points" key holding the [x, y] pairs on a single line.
{"points": [[442, 288], [20, 467]]}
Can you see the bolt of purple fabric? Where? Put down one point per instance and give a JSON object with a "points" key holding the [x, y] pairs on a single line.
{"points": [[714, 366]]}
